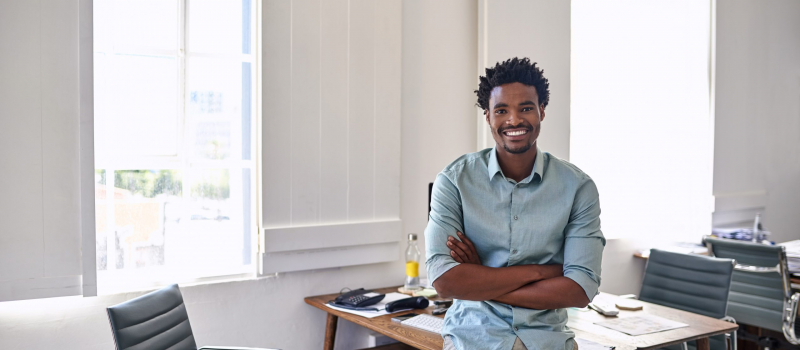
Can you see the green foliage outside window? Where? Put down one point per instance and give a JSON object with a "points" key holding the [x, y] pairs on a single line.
{"points": [[149, 183]]}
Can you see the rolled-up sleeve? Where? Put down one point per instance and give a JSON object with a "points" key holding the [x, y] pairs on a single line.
{"points": [[444, 220], [584, 242]]}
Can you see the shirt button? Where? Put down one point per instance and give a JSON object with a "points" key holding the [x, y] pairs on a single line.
{"points": [[516, 329], [513, 251], [516, 217]]}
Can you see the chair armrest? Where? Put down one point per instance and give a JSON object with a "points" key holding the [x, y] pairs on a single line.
{"points": [[231, 348]]}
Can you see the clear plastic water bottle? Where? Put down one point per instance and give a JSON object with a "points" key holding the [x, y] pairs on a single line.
{"points": [[412, 264]]}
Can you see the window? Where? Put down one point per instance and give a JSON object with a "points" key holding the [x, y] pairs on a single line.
{"points": [[642, 120], [175, 140]]}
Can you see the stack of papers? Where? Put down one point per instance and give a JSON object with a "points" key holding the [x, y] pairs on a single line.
{"points": [[641, 324], [381, 306], [793, 256]]}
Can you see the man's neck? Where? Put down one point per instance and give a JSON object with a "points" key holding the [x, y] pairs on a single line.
{"points": [[516, 166]]}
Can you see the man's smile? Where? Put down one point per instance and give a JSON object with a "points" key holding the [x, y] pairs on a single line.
{"points": [[515, 133]]}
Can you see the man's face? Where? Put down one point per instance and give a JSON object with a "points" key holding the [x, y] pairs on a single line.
{"points": [[515, 117]]}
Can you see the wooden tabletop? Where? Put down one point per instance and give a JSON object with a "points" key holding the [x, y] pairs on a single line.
{"points": [[582, 322], [383, 324]]}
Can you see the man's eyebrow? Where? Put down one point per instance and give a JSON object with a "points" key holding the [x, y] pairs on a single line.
{"points": [[526, 103]]}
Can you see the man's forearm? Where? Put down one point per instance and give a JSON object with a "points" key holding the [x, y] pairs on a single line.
{"points": [[552, 293], [477, 282]]}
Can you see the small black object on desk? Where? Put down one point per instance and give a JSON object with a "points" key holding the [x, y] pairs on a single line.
{"points": [[407, 303]]}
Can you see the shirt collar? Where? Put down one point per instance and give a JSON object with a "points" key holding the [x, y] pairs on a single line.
{"points": [[538, 166]]}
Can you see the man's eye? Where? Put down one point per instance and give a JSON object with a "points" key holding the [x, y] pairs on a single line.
{"points": [[500, 111], [527, 109]]}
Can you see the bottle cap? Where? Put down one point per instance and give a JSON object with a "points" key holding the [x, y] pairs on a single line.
{"points": [[412, 236]]}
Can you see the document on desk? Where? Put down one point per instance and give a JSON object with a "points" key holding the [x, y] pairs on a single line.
{"points": [[584, 344], [641, 324], [381, 306]]}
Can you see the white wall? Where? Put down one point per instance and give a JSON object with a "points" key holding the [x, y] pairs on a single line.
{"points": [[39, 149], [539, 30], [757, 136], [439, 76]]}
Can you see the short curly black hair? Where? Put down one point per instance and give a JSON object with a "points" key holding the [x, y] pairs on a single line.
{"points": [[514, 70]]}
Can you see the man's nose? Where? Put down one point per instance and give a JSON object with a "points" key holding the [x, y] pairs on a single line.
{"points": [[514, 119]]}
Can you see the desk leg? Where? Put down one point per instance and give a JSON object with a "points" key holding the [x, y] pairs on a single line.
{"points": [[330, 332], [703, 344]]}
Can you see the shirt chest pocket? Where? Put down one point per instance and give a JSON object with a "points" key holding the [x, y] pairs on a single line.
{"points": [[537, 240]]}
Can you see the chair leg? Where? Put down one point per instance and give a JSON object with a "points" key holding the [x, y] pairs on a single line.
{"points": [[730, 339], [685, 346]]}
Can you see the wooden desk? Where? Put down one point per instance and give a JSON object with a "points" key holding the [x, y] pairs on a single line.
{"points": [[700, 327], [382, 324], [582, 322]]}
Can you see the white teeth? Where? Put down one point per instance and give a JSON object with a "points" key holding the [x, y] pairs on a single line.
{"points": [[516, 133]]}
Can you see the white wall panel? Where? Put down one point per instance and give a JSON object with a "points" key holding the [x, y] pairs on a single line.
{"points": [[20, 142], [296, 238], [88, 232], [388, 33], [39, 145], [361, 124], [305, 117], [277, 111], [332, 156], [333, 111], [60, 139]]}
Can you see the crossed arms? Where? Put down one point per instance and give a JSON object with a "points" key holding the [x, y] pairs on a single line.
{"points": [[456, 271], [530, 286]]}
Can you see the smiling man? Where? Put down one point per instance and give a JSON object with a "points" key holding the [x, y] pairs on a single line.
{"points": [[514, 232]]}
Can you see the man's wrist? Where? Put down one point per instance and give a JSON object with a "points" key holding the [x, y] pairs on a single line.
{"points": [[542, 272]]}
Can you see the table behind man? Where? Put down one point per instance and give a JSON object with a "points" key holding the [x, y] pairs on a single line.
{"points": [[527, 224]]}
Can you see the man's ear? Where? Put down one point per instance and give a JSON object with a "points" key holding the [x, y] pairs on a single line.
{"points": [[486, 114], [541, 113]]}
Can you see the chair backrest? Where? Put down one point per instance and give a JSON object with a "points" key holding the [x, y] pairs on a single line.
{"points": [[757, 296], [157, 320], [693, 283]]}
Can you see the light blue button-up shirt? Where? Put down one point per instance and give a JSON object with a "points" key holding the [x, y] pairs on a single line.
{"points": [[550, 217]]}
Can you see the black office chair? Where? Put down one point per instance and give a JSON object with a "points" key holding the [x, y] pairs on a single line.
{"points": [[154, 321], [693, 283], [761, 292]]}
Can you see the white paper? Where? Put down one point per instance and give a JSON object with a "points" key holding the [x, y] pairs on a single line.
{"points": [[641, 324], [584, 344], [423, 282], [792, 247], [381, 306]]}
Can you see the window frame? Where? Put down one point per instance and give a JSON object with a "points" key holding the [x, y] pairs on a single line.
{"points": [[106, 282]]}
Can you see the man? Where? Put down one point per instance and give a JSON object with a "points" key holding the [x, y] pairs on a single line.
{"points": [[514, 233]]}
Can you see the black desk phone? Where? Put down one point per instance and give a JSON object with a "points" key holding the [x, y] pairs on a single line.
{"points": [[358, 298]]}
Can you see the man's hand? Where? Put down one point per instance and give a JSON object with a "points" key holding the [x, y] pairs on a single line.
{"points": [[463, 251]]}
